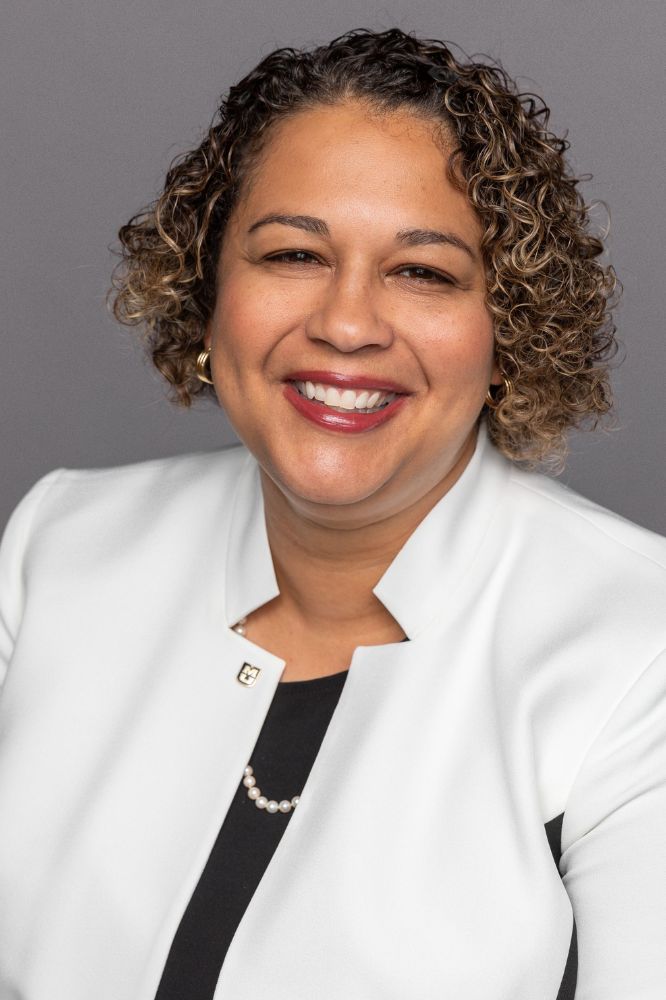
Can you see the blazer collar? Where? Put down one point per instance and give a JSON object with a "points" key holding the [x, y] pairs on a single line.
{"points": [[423, 575]]}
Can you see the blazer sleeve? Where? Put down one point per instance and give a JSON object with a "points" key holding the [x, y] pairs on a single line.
{"points": [[613, 861], [13, 548]]}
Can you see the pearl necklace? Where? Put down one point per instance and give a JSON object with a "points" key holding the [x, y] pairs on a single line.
{"points": [[249, 780]]}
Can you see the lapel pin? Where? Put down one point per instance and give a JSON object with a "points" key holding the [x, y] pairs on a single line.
{"points": [[248, 674]]}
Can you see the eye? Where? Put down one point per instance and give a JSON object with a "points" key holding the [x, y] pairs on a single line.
{"points": [[289, 256], [434, 276]]}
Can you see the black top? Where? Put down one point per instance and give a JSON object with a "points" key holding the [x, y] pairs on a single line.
{"points": [[283, 755]]}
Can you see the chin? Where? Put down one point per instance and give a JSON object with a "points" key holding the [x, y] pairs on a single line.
{"points": [[329, 491], [326, 483]]}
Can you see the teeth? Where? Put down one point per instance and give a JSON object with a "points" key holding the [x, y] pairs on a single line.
{"points": [[363, 400], [332, 396]]}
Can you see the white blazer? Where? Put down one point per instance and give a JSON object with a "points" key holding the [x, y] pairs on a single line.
{"points": [[416, 866]]}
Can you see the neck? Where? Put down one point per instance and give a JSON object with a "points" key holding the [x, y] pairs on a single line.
{"points": [[326, 572]]}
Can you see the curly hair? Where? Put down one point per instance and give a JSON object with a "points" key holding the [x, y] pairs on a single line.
{"points": [[549, 295]]}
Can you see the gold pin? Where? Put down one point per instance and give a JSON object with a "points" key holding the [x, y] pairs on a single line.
{"points": [[248, 674]]}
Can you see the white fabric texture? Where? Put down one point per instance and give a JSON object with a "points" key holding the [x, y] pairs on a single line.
{"points": [[416, 864]]}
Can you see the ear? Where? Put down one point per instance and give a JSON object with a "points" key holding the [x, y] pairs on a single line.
{"points": [[208, 336], [496, 375]]}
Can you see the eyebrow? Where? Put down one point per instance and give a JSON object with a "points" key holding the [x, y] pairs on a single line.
{"points": [[408, 237]]}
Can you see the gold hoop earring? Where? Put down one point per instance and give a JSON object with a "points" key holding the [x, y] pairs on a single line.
{"points": [[202, 360], [492, 402]]}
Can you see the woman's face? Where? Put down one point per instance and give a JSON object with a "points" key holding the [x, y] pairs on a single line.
{"points": [[341, 297]]}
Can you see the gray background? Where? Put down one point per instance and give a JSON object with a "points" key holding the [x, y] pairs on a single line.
{"points": [[98, 97]]}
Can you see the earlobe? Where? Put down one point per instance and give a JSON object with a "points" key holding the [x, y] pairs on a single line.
{"points": [[496, 375]]}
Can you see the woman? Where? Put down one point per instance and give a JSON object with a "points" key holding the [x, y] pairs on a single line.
{"points": [[367, 706]]}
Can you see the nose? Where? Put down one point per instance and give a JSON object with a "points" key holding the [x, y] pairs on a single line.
{"points": [[348, 315]]}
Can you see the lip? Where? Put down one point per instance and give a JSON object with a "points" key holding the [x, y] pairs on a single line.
{"points": [[351, 422], [347, 381]]}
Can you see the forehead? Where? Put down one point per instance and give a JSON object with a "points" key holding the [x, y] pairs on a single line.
{"points": [[349, 159], [351, 119]]}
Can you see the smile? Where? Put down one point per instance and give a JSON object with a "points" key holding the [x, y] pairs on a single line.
{"points": [[342, 401], [343, 409]]}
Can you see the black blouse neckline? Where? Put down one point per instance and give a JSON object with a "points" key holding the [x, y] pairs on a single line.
{"points": [[323, 683]]}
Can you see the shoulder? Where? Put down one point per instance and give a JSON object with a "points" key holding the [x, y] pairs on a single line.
{"points": [[566, 522], [106, 506], [170, 476], [578, 576]]}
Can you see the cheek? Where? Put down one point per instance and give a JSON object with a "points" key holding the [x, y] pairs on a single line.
{"points": [[248, 322], [238, 332], [460, 348]]}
